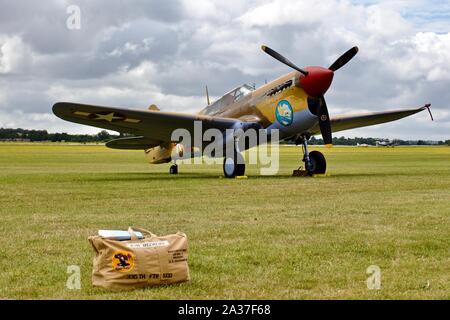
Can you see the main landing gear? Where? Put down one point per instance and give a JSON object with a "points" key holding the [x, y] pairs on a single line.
{"points": [[234, 166], [315, 162]]}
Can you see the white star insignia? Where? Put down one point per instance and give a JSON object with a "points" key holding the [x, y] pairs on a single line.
{"points": [[108, 117]]}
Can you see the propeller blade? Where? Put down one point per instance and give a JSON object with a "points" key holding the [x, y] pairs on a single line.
{"points": [[282, 59], [324, 122], [342, 60]]}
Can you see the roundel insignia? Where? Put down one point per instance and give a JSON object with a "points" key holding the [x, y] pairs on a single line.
{"points": [[122, 261], [284, 113], [323, 117]]}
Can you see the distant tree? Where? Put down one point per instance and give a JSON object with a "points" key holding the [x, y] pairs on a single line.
{"points": [[316, 141], [103, 135]]}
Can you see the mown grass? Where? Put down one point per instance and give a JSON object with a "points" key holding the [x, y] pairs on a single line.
{"points": [[274, 237]]}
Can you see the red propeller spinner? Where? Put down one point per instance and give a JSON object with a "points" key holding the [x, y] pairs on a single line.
{"points": [[317, 81]]}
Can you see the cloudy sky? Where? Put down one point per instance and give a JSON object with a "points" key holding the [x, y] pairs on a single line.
{"points": [[141, 52]]}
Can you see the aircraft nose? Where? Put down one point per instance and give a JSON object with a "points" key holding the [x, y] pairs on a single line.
{"points": [[317, 82]]}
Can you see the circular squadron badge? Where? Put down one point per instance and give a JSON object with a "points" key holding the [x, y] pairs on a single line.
{"points": [[284, 113], [122, 261]]}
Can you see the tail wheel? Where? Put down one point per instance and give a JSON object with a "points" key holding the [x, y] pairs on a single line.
{"points": [[173, 169], [318, 164], [234, 166]]}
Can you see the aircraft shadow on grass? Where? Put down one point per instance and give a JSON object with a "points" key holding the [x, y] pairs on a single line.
{"points": [[151, 176], [162, 176]]}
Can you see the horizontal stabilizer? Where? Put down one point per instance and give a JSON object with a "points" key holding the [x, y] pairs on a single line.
{"points": [[133, 143]]}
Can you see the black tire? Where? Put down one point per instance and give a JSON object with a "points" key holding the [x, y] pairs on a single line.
{"points": [[318, 164], [173, 169], [234, 166]]}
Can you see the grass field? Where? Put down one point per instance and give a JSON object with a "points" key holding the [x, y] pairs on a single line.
{"points": [[274, 237]]}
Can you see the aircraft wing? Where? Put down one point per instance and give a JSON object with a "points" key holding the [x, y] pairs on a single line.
{"points": [[345, 122], [151, 127]]}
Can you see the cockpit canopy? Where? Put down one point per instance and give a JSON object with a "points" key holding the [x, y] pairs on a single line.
{"points": [[233, 96]]}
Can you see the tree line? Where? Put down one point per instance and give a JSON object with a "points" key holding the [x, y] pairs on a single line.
{"points": [[343, 141], [43, 135], [103, 136]]}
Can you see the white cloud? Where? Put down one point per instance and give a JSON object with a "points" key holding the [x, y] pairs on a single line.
{"points": [[15, 56], [133, 48], [129, 88], [427, 54]]}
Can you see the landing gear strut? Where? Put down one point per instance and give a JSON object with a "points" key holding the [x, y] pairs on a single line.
{"points": [[315, 162], [234, 165]]}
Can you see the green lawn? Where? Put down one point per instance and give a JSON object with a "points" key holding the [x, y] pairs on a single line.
{"points": [[275, 237]]}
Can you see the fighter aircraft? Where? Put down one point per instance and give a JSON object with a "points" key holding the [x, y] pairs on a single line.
{"points": [[294, 103], [384, 143]]}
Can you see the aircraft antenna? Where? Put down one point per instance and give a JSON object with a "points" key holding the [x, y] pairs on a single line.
{"points": [[207, 95]]}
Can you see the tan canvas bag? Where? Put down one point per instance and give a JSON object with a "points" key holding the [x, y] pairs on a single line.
{"points": [[137, 262]]}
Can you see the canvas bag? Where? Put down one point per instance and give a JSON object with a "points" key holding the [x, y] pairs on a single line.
{"points": [[137, 262]]}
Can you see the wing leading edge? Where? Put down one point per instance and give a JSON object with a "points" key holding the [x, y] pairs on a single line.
{"points": [[345, 122], [152, 127]]}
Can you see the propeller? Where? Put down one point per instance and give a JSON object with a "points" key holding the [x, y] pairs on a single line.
{"points": [[316, 81], [324, 122], [282, 59], [342, 60]]}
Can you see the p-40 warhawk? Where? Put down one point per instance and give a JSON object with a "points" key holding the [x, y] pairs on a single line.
{"points": [[294, 104]]}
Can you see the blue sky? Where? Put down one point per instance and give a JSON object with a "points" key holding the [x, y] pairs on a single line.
{"points": [[432, 15]]}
